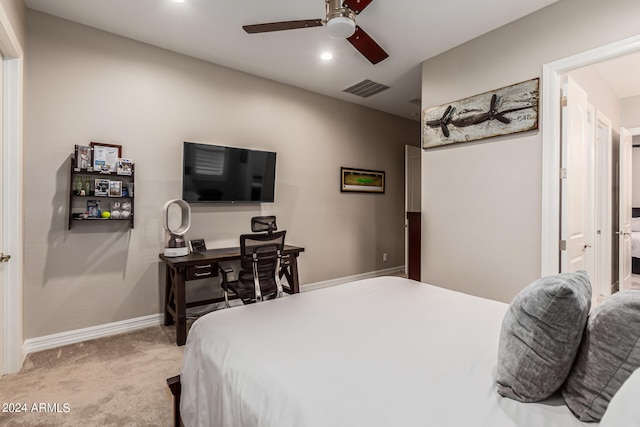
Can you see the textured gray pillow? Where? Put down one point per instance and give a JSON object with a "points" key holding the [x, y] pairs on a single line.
{"points": [[608, 355], [540, 336]]}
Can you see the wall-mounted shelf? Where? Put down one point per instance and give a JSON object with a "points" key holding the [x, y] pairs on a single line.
{"points": [[82, 192]]}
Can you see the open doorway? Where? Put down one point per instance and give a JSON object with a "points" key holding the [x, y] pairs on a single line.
{"points": [[603, 59]]}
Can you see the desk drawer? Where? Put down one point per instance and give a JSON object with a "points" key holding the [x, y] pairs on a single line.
{"points": [[201, 271]]}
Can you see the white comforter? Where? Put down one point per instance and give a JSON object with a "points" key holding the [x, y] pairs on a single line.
{"points": [[377, 352]]}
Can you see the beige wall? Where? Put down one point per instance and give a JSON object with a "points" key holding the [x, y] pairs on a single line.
{"points": [[482, 201], [85, 85], [631, 112]]}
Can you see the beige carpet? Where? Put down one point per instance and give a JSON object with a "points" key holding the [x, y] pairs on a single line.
{"points": [[113, 381]]}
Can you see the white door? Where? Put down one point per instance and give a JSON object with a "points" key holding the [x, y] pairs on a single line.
{"points": [[626, 163], [412, 189], [604, 205], [2, 256], [576, 186]]}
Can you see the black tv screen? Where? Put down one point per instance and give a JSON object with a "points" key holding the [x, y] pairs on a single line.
{"points": [[214, 173]]}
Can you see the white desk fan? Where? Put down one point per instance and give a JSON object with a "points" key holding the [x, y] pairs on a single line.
{"points": [[175, 242]]}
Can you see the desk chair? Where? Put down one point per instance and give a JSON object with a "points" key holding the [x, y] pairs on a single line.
{"points": [[260, 266], [260, 224]]}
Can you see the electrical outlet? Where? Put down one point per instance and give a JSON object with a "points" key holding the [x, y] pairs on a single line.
{"points": [[384, 257]]}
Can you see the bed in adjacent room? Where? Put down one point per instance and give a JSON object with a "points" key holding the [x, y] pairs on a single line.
{"points": [[377, 352]]}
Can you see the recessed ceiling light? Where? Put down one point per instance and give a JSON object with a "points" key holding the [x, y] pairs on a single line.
{"points": [[179, 1], [326, 56]]}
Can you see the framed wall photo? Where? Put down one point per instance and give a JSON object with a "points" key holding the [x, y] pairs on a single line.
{"points": [[105, 156], [361, 180]]}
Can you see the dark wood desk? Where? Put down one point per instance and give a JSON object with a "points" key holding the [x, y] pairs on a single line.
{"points": [[201, 265]]}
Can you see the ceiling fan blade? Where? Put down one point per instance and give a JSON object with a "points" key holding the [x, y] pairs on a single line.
{"points": [[357, 5], [367, 47], [280, 26]]}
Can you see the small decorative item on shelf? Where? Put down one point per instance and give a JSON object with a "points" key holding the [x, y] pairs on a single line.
{"points": [[101, 187], [124, 166], [126, 210], [116, 210], [87, 186], [93, 208], [115, 188], [197, 245], [78, 186], [83, 158]]}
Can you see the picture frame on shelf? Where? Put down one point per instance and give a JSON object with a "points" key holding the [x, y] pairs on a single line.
{"points": [[115, 188], [93, 209], [124, 166], [101, 187], [83, 158], [105, 156]]}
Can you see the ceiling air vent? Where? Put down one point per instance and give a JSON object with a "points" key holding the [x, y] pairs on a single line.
{"points": [[366, 88]]}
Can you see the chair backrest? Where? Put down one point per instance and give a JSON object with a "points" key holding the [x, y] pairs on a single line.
{"points": [[263, 223], [266, 247]]}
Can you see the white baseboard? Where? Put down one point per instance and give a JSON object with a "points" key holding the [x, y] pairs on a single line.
{"points": [[333, 282], [47, 342], [33, 345]]}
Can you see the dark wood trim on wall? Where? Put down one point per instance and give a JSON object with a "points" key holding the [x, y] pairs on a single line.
{"points": [[413, 246]]}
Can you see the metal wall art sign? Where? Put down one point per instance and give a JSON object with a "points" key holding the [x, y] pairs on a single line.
{"points": [[499, 112]]}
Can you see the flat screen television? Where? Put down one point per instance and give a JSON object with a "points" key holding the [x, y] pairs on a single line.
{"points": [[219, 174]]}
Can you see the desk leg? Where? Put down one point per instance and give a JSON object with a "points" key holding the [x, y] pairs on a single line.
{"points": [[181, 307], [295, 285], [169, 302]]}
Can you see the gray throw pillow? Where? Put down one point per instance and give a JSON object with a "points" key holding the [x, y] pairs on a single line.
{"points": [[540, 336], [608, 355]]}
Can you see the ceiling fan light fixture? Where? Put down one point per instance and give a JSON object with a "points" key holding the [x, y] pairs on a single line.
{"points": [[341, 24]]}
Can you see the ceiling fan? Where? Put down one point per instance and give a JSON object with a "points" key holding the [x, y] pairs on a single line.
{"points": [[340, 21]]}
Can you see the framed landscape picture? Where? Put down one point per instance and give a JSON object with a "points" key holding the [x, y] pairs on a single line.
{"points": [[361, 180]]}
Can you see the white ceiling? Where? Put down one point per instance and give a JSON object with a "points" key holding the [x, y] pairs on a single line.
{"points": [[409, 30]]}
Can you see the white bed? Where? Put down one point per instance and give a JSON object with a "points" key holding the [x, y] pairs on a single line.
{"points": [[377, 352]]}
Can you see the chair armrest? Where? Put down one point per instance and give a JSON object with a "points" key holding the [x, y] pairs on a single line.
{"points": [[225, 268]]}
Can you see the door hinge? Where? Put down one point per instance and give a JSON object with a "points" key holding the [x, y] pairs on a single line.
{"points": [[563, 101], [563, 245], [563, 173], [4, 258]]}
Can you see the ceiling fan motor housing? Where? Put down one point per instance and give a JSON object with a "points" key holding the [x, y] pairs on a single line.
{"points": [[341, 21]]}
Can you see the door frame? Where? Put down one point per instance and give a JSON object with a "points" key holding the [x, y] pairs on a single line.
{"points": [[551, 85], [12, 272]]}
